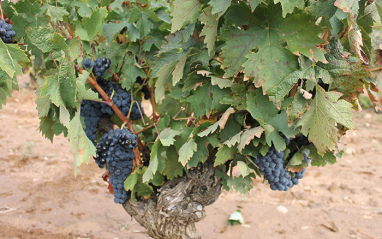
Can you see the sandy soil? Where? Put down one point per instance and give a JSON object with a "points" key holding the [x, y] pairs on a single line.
{"points": [[41, 198]]}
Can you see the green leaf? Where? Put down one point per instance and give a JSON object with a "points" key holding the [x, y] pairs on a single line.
{"points": [[185, 12], [43, 106], [319, 122], [200, 102], [141, 17], [82, 147], [260, 107], [233, 140], [167, 136], [243, 169], [224, 154], [210, 29], [173, 167], [267, 61], [312, 73], [254, 4], [248, 136], [320, 160], [131, 181], [221, 122], [222, 83], [56, 13], [241, 184], [154, 162], [164, 76], [186, 151], [93, 24], [75, 48], [64, 116], [218, 6], [348, 6], [130, 73], [41, 38], [289, 5], [297, 109], [7, 64], [178, 70]]}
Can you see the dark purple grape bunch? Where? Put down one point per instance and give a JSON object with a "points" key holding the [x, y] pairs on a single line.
{"points": [[144, 89], [116, 150], [6, 32], [91, 111], [271, 166], [100, 65]]}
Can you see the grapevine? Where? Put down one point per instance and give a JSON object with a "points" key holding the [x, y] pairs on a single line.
{"points": [[268, 87]]}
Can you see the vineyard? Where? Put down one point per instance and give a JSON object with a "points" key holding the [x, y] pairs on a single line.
{"points": [[179, 102]]}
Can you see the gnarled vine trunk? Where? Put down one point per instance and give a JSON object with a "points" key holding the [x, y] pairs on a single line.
{"points": [[180, 203]]}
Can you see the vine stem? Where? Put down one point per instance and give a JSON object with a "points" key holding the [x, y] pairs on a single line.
{"points": [[376, 69], [144, 129], [93, 82]]}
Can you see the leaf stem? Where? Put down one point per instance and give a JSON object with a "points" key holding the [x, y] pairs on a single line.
{"points": [[144, 129], [376, 69]]}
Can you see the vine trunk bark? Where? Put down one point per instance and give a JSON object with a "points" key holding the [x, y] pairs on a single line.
{"points": [[178, 205]]}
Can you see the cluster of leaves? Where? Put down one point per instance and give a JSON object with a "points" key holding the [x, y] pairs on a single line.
{"points": [[231, 78]]}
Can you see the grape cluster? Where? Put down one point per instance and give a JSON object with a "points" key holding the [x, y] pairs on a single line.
{"points": [[272, 167], [115, 149], [91, 111], [100, 65], [6, 32], [144, 89]]}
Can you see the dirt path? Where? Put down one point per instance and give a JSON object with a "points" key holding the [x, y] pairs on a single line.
{"points": [[41, 198]]}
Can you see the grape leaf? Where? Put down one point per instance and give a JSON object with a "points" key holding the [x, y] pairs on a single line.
{"points": [[248, 136], [218, 6], [233, 140], [222, 83], [164, 76], [93, 24], [141, 18], [56, 13], [254, 4], [266, 60], [312, 73], [41, 38], [185, 12], [187, 151], [260, 107], [243, 169], [289, 5], [167, 136], [297, 109], [131, 181], [241, 184], [82, 147], [224, 154], [6, 87], [7, 64], [43, 106], [154, 162], [319, 122], [210, 29], [130, 73], [221, 122], [350, 6], [173, 167]]}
